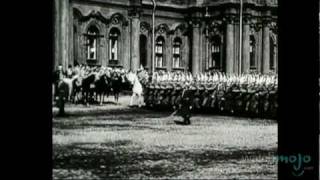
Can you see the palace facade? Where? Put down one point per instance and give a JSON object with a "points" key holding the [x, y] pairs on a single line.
{"points": [[190, 35]]}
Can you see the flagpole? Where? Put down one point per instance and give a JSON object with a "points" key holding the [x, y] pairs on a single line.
{"points": [[240, 42]]}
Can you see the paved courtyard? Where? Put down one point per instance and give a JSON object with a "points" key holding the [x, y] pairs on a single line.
{"points": [[115, 141]]}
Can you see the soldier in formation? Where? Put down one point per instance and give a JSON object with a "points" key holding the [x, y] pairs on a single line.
{"points": [[252, 95]]}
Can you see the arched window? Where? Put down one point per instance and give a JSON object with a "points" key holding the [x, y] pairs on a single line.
{"points": [[253, 64], [272, 54], [114, 37], [215, 53], [92, 38], [159, 51], [176, 61]]}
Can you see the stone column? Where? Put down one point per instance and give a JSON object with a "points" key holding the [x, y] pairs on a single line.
{"points": [[64, 32], [57, 57], [70, 37], [135, 32], [246, 45], [229, 45], [266, 49], [126, 47], [195, 47]]}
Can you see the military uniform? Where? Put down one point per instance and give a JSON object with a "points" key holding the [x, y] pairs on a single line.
{"points": [[167, 96], [186, 105], [205, 99], [247, 97], [238, 100]]}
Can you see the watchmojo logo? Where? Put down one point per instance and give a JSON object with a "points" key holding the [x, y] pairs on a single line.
{"points": [[299, 162]]}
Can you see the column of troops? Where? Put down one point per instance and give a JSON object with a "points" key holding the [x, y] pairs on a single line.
{"points": [[249, 95]]}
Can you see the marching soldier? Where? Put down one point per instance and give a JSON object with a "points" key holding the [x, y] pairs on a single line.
{"points": [[213, 97], [186, 105], [168, 92], [206, 98], [196, 98], [150, 98], [238, 100], [58, 75]]}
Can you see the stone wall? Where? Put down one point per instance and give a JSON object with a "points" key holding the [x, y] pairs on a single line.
{"points": [[195, 23]]}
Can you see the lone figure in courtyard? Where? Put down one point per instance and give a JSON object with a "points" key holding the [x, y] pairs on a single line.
{"points": [[185, 107]]}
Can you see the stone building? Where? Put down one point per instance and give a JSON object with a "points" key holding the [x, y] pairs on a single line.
{"points": [[190, 35]]}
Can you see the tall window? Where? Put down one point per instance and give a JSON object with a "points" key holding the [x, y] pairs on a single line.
{"points": [[114, 45], [92, 38], [176, 53], [159, 51], [75, 45], [215, 52], [272, 53], [143, 50], [253, 63]]}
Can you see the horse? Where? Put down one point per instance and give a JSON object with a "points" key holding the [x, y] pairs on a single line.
{"points": [[116, 85], [69, 83], [102, 87], [88, 87], [137, 90], [76, 90]]}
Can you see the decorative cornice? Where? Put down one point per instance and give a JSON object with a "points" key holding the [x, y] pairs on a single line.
{"points": [[266, 21], [96, 15], [215, 27], [273, 27], [134, 12], [118, 19], [162, 29], [179, 2], [182, 27], [255, 27], [145, 27], [195, 22], [229, 19], [247, 19]]}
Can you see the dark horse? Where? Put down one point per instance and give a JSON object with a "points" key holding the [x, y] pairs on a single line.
{"points": [[102, 87], [76, 90], [117, 82], [88, 88]]}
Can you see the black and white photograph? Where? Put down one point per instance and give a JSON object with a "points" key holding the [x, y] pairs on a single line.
{"points": [[165, 89]]}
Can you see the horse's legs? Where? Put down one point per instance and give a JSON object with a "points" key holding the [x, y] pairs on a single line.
{"points": [[101, 98], [83, 97], [139, 100], [97, 94], [117, 96], [78, 97], [75, 97], [131, 99], [86, 98]]}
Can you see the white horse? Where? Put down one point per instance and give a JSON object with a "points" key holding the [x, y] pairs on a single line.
{"points": [[137, 91], [69, 81]]}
